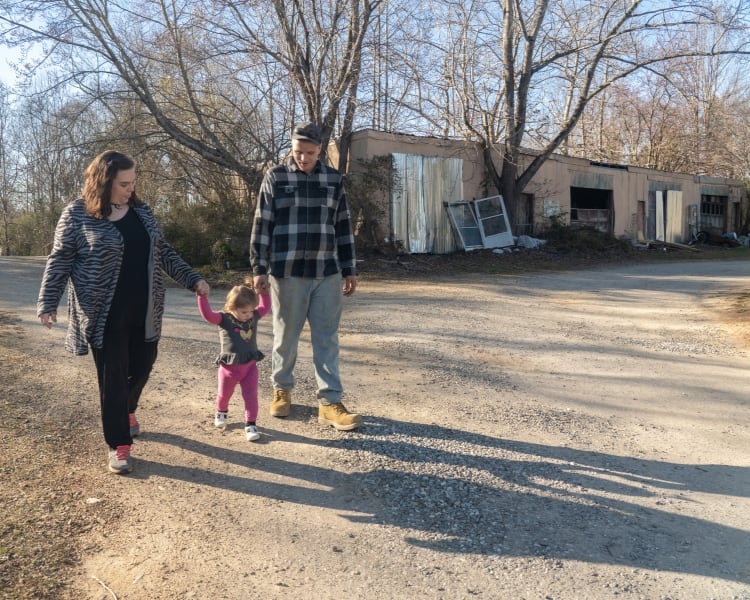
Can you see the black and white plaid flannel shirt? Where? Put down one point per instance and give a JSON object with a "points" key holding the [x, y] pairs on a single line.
{"points": [[302, 226]]}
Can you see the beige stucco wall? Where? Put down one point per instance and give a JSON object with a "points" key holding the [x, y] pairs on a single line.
{"points": [[367, 144], [552, 184]]}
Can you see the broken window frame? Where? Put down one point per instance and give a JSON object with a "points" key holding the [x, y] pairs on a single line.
{"points": [[467, 217]]}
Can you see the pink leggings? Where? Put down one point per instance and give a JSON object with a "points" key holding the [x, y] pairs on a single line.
{"points": [[247, 376]]}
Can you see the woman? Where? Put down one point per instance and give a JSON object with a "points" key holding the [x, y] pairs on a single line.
{"points": [[111, 250]]}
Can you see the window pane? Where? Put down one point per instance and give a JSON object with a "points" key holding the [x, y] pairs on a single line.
{"points": [[494, 225]]}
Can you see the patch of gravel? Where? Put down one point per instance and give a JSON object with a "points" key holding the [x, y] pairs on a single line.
{"points": [[442, 366], [459, 491], [703, 341]]}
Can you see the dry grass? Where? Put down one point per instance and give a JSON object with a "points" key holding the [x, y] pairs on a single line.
{"points": [[47, 456], [569, 250]]}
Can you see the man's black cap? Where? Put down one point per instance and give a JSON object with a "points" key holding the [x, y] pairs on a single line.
{"points": [[308, 131]]}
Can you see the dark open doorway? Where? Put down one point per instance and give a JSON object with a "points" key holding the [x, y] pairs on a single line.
{"points": [[591, 208]]}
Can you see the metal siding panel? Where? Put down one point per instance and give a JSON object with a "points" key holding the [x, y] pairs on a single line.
{"points": [[674, 225], [659, 217], [662, 186], [405, 200], [442, 176], [714, 190], [453, 189], [594, 181], [651, 216], [398, 200], [418, 216]]}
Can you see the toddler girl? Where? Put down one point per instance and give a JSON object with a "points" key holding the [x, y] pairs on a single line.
{"points": [[239, 351]]}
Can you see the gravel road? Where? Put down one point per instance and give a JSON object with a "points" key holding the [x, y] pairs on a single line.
{"points": [[547, 436]]}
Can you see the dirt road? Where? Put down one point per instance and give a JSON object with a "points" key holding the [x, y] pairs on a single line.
{"points": [[566, 436]]}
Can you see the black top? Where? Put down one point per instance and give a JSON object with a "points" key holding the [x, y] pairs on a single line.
{"points": [[131, 295]]}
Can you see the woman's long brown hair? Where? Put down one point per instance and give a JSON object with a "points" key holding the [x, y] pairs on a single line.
{"points": [[97, 184]]}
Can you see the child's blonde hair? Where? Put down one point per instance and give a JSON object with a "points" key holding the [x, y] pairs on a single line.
{"points": [[241, 296]]}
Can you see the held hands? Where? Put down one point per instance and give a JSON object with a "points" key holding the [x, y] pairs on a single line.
{"points": [[47, 319], [202, 288], [260, 283]]}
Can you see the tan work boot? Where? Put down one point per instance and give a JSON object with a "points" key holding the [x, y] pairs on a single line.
{"points": [[281, 403], [338, 417]]}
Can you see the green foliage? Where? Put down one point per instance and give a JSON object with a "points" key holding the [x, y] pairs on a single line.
{"points": [[368, 186], [564, 239], [30, 234], [222, 253], [189, 238], [210, 234]]}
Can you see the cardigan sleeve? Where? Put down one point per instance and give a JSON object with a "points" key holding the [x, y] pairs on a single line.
{"points": [[169, 260], [59, 263]]}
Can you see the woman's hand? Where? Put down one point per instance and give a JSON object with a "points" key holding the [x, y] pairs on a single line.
{"points": [[202, 288], [48, 318]]}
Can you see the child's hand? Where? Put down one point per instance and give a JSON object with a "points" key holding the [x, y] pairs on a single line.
{"points": [[261, 284], [202, 288]]}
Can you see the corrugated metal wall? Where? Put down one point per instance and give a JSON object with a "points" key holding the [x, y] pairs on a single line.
{"points": [[421, 185]]}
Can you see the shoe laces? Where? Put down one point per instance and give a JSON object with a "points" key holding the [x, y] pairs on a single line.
{"points": [[339, 408], [122, 452]]}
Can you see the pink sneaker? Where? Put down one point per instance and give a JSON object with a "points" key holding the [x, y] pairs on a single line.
{"points": [[119, 460], [135, 426]]}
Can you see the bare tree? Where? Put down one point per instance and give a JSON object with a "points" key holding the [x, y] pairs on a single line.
{"points": [[8, 172], [46, 132], [682, 120], [224, 79], [640, 122], [521, 74], [318, 45], [737, 145]]}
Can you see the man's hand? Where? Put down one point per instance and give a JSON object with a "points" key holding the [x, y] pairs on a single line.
{"points": [[260, 283], [350, 284]]}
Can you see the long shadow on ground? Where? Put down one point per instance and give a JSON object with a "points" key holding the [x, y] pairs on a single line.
{"points": [[455, 491]]}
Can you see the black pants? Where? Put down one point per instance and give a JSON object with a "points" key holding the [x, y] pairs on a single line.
{"points": [[123, 366]]}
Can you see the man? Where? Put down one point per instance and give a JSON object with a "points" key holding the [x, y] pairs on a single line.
{"points": [[302, 247]]}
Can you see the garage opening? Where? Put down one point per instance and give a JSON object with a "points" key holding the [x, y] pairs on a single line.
{"points": [[714, 213], [591, 208]]}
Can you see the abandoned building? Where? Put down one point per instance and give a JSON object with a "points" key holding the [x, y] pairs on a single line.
{"points": [[432, 177]]}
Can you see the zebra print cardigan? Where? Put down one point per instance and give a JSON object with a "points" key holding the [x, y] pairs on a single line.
{"points": [[87, 252]]}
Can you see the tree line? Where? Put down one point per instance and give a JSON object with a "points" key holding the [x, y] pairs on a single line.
{"points": [[203, 93]]}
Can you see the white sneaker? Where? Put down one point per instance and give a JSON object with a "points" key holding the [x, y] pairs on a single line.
{"points": [[220, 420], [251, 433]]}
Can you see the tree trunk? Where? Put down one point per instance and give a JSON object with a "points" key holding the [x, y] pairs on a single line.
{"points": [[505, 182]]}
